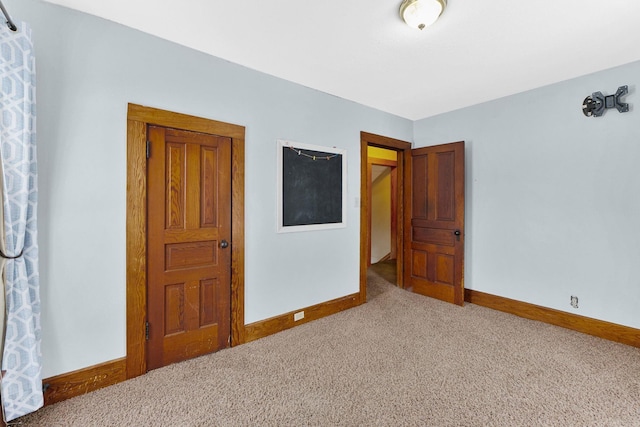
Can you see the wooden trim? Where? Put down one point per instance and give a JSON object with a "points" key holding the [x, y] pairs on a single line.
{"points": [[382, 162], [586, 325], [154, 116], [407, 179], [237, 247], [366, 140], [369, 202], [76, 383], [263, 328], [365, 201], [385, 142], [136, 247], [138, 117]]}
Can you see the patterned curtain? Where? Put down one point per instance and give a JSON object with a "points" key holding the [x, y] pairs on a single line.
{"points": [[21, 383]]}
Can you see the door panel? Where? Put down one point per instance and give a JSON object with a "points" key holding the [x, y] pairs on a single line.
{"points": [[189, 215], [434, 223]]}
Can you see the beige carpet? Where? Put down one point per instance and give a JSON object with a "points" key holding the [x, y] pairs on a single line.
{"points": [[399, 360]]}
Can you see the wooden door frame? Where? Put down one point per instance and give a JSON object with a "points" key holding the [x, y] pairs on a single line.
{"points": [[138, 117], [366, 140]]}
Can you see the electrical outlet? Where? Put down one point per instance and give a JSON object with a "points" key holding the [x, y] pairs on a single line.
{"points": [[574, 301], [298, 316]]}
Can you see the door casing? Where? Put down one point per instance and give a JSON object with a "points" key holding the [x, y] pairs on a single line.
{"points": [[366, 140], [138, 117]]}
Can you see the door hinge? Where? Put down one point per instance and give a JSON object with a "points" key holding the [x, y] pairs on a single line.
{"points": [[146, 330], [148, 149], [229, 341]]}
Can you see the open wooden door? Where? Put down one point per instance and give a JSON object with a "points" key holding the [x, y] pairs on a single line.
{"points": [[434, 222]]}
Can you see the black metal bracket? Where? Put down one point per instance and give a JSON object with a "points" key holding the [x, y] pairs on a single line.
{"points": [[595, 104]]}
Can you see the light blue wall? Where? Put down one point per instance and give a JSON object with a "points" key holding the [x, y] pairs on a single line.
{"points": [[88, 70], [553, 197]]}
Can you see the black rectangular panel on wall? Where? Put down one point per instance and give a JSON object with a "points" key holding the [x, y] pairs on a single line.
{"points": [[312, 185]]}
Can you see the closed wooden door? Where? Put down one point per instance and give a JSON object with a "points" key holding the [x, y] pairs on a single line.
{"points": [[189, 227], [434, 222]]}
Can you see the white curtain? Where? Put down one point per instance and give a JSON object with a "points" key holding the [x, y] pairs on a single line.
{"points": [[21, 384]]}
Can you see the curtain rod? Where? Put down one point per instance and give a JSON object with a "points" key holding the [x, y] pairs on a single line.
{"points": [[10, 23]]}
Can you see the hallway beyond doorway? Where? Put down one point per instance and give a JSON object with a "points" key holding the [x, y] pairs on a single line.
{"points": [[387, 270]]}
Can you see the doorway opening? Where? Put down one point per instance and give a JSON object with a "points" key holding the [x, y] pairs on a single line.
{"points": [[383, 221], [381, 209], [430, 227]]}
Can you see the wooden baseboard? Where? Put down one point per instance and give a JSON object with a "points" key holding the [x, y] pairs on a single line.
{"points": [[587, 325], [263, 328], [76, 383], [66, 386], [385, 258]]}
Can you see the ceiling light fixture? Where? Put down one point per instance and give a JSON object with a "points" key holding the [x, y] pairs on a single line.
{"points": [[421, 13]]}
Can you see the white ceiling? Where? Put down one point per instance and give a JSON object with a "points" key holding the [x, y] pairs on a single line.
{"points": [[362, 51]]}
